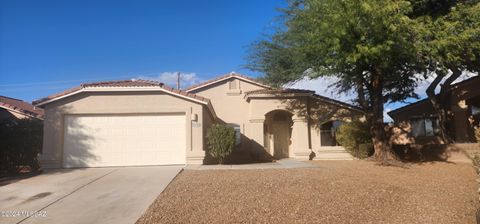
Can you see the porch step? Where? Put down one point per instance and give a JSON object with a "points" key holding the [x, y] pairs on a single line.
{"points": [[332, 153]]}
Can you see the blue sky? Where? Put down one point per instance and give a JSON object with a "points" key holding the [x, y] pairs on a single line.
{"points": [[48, 46]]}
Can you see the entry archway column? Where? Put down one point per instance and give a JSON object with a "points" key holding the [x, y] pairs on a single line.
{"points": [[300, 147]]}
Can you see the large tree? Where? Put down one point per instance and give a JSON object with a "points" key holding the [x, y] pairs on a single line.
{"points": [[449, 45], [368, 45]]}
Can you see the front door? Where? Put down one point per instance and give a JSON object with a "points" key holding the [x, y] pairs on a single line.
{"points": [[281, 140]]}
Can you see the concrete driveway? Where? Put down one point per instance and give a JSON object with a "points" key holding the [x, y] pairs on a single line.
{"points": [[92, 195]]}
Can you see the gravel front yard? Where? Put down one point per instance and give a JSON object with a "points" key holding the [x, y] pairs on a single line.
{"points": [[336, 192]]}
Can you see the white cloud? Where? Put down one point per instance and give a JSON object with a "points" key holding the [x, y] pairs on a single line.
{"points": [[170, 78]]}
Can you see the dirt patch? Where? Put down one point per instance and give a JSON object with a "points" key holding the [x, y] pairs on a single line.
{"points": [[336, 192]]}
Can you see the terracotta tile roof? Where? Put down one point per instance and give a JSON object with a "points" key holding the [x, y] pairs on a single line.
{"points": [[182, 92], [309, 92], [123, 83], [224, 77], [338, 102], [21, 107], [278, 91]]}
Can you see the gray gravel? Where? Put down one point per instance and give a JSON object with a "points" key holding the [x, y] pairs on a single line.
{"points": [[336, 192]]}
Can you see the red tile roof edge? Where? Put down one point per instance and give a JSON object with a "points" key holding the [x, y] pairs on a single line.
{"points": [[278, 91], [122, 83], [21, 107]]}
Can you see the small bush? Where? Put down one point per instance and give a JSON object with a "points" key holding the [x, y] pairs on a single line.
{"points": [[20, 142], [356, 138], [221, 141]]}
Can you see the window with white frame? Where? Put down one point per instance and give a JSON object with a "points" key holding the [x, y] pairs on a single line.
{"points": [[424, 126], [238, 134]]}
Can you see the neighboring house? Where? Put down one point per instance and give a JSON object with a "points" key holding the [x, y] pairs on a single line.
{"points": [[13, 109], [417, 123], [138, 122]]}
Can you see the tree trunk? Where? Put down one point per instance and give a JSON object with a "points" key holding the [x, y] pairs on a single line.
{"points": [[383, 152], [441, 102], [438, 108]]}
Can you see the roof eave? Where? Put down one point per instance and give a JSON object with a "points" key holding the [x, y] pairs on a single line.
{"points": [[275, 95], [12, 108], [117, 89]]}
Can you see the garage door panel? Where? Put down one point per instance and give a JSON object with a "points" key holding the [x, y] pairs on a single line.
{"points": [[93, 141]]}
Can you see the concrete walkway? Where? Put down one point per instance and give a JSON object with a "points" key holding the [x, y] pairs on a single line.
{"points": [[279, 164], [93, 195]]}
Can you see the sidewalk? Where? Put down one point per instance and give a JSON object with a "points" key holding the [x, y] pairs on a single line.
{"points": [[279, 164]]}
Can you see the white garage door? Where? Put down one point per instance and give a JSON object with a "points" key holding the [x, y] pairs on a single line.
{"points": [[117, 140]]}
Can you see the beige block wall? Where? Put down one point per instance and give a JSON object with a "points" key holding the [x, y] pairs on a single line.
{"points": [[121, 103]]}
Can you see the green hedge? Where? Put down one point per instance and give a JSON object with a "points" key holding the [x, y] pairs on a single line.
{"points": [[20, 143], [221, 141], [356, 138]]}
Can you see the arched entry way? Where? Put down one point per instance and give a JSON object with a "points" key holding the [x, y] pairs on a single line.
{"points": [[277, 133]]}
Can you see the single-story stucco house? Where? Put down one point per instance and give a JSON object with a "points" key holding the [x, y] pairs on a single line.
{"points": [[12, 109], [139, 122], [417, 123]]}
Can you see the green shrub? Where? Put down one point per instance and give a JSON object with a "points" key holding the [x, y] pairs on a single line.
{"points": [[20, 143], [356, 138], [221, 141]]}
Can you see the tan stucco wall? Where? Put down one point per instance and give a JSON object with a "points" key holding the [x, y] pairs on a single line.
{"points": [[230, 106], [249, 113], [461, 125], [121, 103]]}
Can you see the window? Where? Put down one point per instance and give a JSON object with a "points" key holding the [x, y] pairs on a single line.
{"points": [[424, 126], [475, 110], [238, 134], [328, 132]]}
